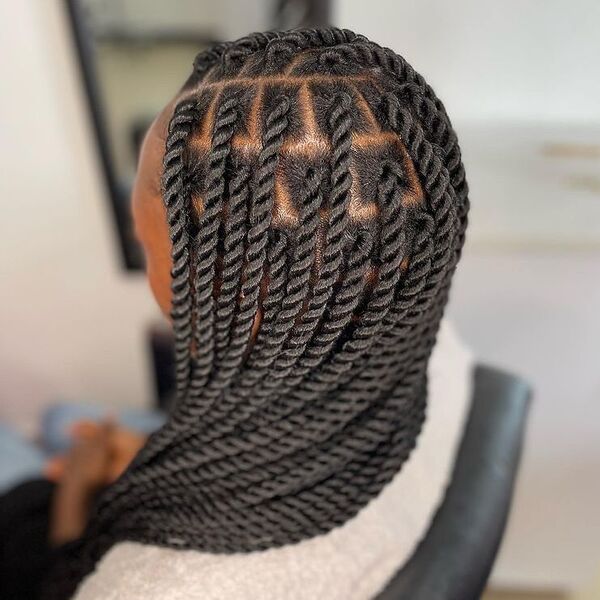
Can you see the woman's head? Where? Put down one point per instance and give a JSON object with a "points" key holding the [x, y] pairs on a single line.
{"points": [[287, 172], [303, 205]]}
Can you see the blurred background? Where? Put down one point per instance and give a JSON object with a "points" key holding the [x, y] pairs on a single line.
{"points": [[81, 81]]}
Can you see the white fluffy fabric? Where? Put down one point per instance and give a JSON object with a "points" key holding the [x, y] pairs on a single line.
{"points": [[353, 562]]}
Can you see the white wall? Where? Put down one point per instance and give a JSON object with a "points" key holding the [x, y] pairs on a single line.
{"points": [[487, 58], [518, 78], [536, 314], [71, 322]]}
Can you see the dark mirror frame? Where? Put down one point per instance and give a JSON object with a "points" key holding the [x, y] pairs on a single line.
{"points": [[131, 255], [287, 14]]}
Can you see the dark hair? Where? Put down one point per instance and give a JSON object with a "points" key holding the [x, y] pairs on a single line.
{"points": [[314, 188]]}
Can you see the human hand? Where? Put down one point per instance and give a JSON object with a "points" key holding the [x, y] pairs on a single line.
{"points": [[86, 465], [122, 445], [81, 473]]}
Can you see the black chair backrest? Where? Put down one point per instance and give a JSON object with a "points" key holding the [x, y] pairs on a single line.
{"points": [[454, 559]]}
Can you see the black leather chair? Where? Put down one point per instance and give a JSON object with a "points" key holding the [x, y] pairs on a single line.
{"points": [[454, 559]]}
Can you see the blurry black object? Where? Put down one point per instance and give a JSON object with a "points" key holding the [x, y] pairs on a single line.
{"points": [[137, 134], [25, 555], [160, 338], [301, 13], [117, 194], [454, 559]]}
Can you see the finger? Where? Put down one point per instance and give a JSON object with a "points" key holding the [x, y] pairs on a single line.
{"points": [[84, 429], [109, 428], [54, 469]]}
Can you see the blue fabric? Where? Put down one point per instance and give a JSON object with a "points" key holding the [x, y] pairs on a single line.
{"points": [[58, 420], [20, 460]]}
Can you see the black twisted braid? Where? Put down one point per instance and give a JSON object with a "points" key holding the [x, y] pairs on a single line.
{"points": [[177, 203], [317, 206]]}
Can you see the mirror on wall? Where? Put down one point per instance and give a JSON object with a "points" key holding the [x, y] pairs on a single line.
{"points": [[135, 54]]}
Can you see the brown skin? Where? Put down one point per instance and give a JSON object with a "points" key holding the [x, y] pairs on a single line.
{"points": [[149, 212], [99, 454], [83, 476]]}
